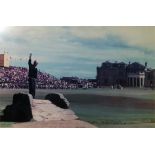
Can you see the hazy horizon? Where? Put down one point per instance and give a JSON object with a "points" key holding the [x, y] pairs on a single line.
{"points": [[77, 51]]}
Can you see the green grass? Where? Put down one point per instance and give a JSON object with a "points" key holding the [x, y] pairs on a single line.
{"points": [[5, 124], [117, 117]]}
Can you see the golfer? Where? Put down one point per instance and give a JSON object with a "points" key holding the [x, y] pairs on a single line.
{"points": [[32, 76]]}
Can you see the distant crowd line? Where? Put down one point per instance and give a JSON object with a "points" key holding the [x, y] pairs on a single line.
{"points": [[17, 78]]}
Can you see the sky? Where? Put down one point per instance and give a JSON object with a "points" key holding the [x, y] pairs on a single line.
{"points": [[77, 51]]}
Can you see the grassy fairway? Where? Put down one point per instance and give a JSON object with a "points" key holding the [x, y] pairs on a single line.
{"points": [[113, 110]]}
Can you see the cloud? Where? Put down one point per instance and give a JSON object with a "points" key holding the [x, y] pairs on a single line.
{"points": [[142, 37], [78, 50]]}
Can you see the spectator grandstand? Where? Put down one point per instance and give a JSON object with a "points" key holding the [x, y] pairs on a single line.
{"points": [[17, 77]]}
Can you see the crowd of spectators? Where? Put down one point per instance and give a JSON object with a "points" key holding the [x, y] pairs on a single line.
{"points": [[17, 77], [13, 77]]}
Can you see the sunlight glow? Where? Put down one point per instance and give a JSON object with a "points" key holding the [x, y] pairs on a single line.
{"points": [[2, 28]]}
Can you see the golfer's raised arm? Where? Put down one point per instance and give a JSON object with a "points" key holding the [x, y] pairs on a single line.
{"points": [[29, 62]]}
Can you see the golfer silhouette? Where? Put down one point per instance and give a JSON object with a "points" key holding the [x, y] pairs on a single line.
{"points": [[33, 71]]}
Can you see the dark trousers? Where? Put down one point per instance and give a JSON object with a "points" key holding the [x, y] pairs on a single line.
{"points": [[32, 86]]}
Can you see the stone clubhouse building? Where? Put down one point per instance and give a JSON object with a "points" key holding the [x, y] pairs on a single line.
{"points": [[126, 75]]}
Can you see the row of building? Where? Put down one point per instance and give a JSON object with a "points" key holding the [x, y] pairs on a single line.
{"points": [[127, 75]]}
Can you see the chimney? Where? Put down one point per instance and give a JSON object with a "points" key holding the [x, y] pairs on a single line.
{"points": [[145, 64]]}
